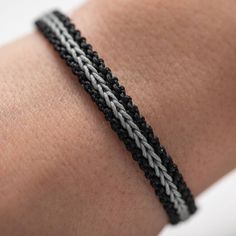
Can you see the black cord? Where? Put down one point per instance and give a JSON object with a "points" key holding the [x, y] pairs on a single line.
{"points": [[115, 123], [131, 109]]}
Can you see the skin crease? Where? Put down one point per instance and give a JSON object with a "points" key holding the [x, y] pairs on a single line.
{"points": [[62, 169]]}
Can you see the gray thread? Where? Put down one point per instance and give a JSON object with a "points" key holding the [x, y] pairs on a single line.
{"points": [[72, 47], [119, 112]]}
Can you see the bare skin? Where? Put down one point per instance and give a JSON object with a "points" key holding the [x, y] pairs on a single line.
{"points": [[62, 169]]}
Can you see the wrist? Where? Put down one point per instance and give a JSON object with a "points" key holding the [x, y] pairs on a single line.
{"points": [[182, 109]]}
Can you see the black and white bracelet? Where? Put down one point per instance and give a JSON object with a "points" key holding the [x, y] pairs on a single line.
{"points": [[123, 115]]}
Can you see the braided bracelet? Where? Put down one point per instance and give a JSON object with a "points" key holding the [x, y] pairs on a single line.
{"points": [[123, 115]]}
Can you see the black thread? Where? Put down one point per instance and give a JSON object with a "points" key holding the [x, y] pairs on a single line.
{"points": [[131, 109], [115, 123]]}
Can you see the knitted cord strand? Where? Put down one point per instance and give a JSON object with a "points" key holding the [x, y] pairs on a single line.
{"points": [[115, 124], [131, 109], [175, 197], [120, 113]]}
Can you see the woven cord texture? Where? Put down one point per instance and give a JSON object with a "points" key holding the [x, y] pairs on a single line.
{"points": [[120, 113], [131, 109], [126, 120], [115, 124]]}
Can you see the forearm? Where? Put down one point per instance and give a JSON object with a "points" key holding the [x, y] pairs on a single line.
{"points": [[63, 171]]}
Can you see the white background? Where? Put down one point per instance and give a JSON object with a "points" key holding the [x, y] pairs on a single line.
{"points": [[217, 206]]}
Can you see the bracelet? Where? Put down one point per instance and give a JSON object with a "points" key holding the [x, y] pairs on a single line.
{"points": [[123, 115], [132, 110]]}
